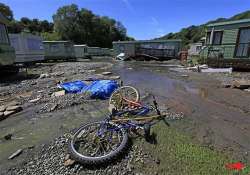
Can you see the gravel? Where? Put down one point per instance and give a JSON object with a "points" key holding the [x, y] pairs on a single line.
{"points": [[52, 157], [25, 88]]}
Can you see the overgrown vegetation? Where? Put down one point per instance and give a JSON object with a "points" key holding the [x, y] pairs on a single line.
{"points": [[81, 26], [193, 33], [177, 154]]}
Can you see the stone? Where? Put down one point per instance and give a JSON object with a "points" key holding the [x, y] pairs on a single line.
{"points": [[14, 108], [8, 113], [2, 108], [241, 84], [13, 103], [44, 76], [15, 154], [69, 162], [1, 114], [67, 157], [115, 77], [53, 107], [184, 76], [247, 90], [34, 100], [59, 93], [106, 73]]}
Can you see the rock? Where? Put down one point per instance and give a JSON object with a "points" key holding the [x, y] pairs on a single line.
{"points": [[13, 103], [247, 90], [44, 76], [59, 93], [106, 73], [1, 114], [53, 107], [14, 108], [67, 157], [241, 84], [184, 76], [35, 100], [114, 77], [69, 162], [15, 154], [8, 113], [2, 108], [8, 137]]}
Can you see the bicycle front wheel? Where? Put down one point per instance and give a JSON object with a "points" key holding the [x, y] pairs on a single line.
{"points": [[119, 97], [98, 143]]}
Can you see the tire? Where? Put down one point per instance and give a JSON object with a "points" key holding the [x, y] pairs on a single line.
{"points": [[101, 160], [111, 99]]}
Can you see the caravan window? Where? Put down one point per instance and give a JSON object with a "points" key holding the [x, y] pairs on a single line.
{"points": [[3, 34], [217, 38], [242, 47], [34, 44]]}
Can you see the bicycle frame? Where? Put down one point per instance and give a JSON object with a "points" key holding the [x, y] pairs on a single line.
{"points": [[127, 123]]}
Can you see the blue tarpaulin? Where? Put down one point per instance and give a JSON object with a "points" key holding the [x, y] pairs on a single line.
{"points": [[73, 87], [99, 89]]}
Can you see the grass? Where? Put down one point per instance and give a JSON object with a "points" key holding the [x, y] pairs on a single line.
{"points": [[179, 155]]}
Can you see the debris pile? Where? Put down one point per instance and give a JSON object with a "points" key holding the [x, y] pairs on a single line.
{"points": [[40, 87]]}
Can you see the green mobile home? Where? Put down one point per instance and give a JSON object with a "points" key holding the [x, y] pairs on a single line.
{"points": [[81, 51], [156, 48], [228, 44], [59, 50], [7, 52]]}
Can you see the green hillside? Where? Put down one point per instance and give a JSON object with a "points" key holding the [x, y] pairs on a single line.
{"points": [[194, 33]]}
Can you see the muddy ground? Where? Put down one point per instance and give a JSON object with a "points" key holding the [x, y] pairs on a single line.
{"points": [[215, 117]]}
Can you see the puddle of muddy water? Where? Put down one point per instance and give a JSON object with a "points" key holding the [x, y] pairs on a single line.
{"points": [[41, 129]]}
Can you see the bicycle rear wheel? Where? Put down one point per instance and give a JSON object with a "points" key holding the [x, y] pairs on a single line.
{"points": [[98, 143], [121, 97]]}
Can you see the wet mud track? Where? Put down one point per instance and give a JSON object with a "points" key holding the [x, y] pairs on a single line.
{"points": [[215, 117]]}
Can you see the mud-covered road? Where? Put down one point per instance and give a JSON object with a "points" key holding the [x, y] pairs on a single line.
{"points": [[215, 117]]}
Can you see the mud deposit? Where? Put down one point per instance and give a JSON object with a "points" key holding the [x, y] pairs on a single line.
{"points": [[214, 117]]}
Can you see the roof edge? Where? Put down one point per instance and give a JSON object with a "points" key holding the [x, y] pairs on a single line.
{"points": [[148, 41], [229, 22]]}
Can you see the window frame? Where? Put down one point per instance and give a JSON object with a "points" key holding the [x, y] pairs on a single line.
{"points": [[221, 38], [238, 42]]}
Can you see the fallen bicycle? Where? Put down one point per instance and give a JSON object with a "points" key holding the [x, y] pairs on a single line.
{"points": [[103, 141]]}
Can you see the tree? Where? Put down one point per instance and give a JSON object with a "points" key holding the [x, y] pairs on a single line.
{"points": [[47, 36], [6, 11], [66, 22], [83, 27]]}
